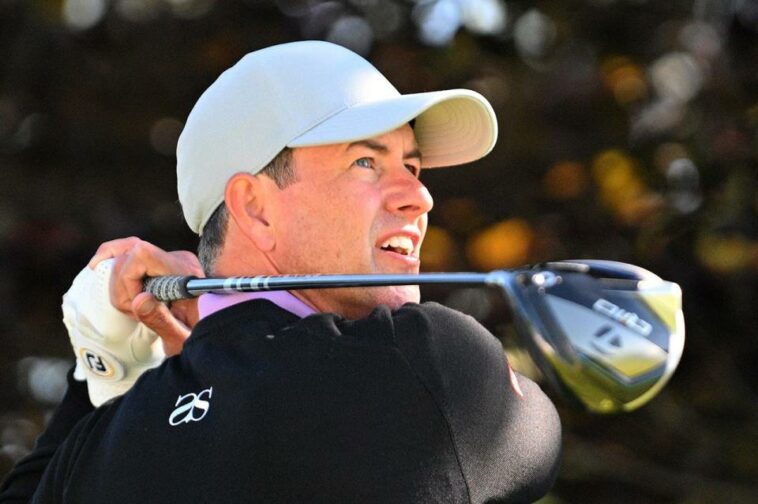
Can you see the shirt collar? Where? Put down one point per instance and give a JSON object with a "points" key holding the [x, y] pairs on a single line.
{"points": [[211, 303]]}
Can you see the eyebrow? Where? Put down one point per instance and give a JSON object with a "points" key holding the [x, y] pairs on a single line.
{"points": [[383, 149]]}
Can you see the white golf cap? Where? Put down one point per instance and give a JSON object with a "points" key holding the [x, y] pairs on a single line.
{"points": [[313, 93]]}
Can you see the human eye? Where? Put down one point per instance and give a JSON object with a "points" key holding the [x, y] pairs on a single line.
{"points": [[364, 162], [415, 170]]}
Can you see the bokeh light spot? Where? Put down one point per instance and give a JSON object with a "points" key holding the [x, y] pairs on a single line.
{"points": [[83, 14], [625, 80], [621, 187], [484, 17], [676, 76], [438, 22], [565, 180], [43, 378], [684, 185], [438, 251], [726, 253], [535, 34], [504, 245], [352, 32], [701, 39]]}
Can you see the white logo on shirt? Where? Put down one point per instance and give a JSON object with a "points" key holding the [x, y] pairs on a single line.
{"points": [[187, 405]]}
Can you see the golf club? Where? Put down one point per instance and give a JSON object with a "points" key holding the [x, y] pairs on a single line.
{"points": [[607, 335]]}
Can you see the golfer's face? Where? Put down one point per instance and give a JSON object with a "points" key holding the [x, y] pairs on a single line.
{"points": [[357, 208]]}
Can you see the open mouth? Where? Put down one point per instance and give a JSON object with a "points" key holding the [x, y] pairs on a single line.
{"points": [[402, 245]]}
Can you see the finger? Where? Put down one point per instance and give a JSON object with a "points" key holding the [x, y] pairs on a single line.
{"points": [[159, 318], [112, 248], [123, 286], [186, 312], [145, 259], [129, 270]]}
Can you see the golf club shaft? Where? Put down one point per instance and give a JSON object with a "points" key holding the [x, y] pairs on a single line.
{"points": [[173, 288]]}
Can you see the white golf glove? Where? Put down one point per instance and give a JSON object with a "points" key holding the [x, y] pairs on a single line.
{"points": [[112, 349]]}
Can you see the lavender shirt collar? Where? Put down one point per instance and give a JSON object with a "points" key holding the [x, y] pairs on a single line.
{"points": [[211, 303]]}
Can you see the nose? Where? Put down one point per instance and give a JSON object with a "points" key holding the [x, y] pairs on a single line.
{"points": [[408, 196]]}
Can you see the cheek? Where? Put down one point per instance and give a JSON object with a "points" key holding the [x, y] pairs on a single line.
{"points": [[329, 226], [423, 224], [295, 225], [315, 230], [349, 211]]}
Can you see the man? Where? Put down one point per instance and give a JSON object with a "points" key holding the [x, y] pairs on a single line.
{"points": [[302, 158]]}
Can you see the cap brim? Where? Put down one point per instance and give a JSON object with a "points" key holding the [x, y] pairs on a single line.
{"points": [[452, 127]]}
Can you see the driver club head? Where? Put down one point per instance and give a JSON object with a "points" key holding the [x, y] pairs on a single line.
{"points": [[606, 334]]}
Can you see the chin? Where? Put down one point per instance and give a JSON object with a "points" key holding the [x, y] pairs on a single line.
{"points": [[395, 297]]}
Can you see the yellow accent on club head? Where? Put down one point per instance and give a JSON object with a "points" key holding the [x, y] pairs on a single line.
{"points": [[665, 299]]}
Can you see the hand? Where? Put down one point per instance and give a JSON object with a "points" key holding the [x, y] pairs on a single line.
{"points": [[112, 349], [136, 259], [114, 326]]}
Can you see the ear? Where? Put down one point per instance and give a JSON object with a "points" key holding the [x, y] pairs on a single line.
{"points": [[245, 198]]}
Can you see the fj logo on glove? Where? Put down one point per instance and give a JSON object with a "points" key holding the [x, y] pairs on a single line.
{"points": [[97, 363], [191, 407]]}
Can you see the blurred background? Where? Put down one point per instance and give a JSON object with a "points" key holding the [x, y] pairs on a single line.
{"points": [[629, 131]]}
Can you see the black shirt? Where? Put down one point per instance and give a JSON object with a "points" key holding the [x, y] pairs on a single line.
{"points": [[415, 405]]}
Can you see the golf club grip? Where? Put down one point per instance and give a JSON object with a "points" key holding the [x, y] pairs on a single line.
{"points": [[168, 288]]}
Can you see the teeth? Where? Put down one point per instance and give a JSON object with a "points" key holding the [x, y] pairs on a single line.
{"points": [[402, 244]]}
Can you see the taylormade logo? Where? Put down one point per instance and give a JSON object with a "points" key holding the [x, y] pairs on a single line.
{"points": [[627, 318], [191, 407]]}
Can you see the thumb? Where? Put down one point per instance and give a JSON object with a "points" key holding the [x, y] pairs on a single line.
{"points": [[157, 316]]}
